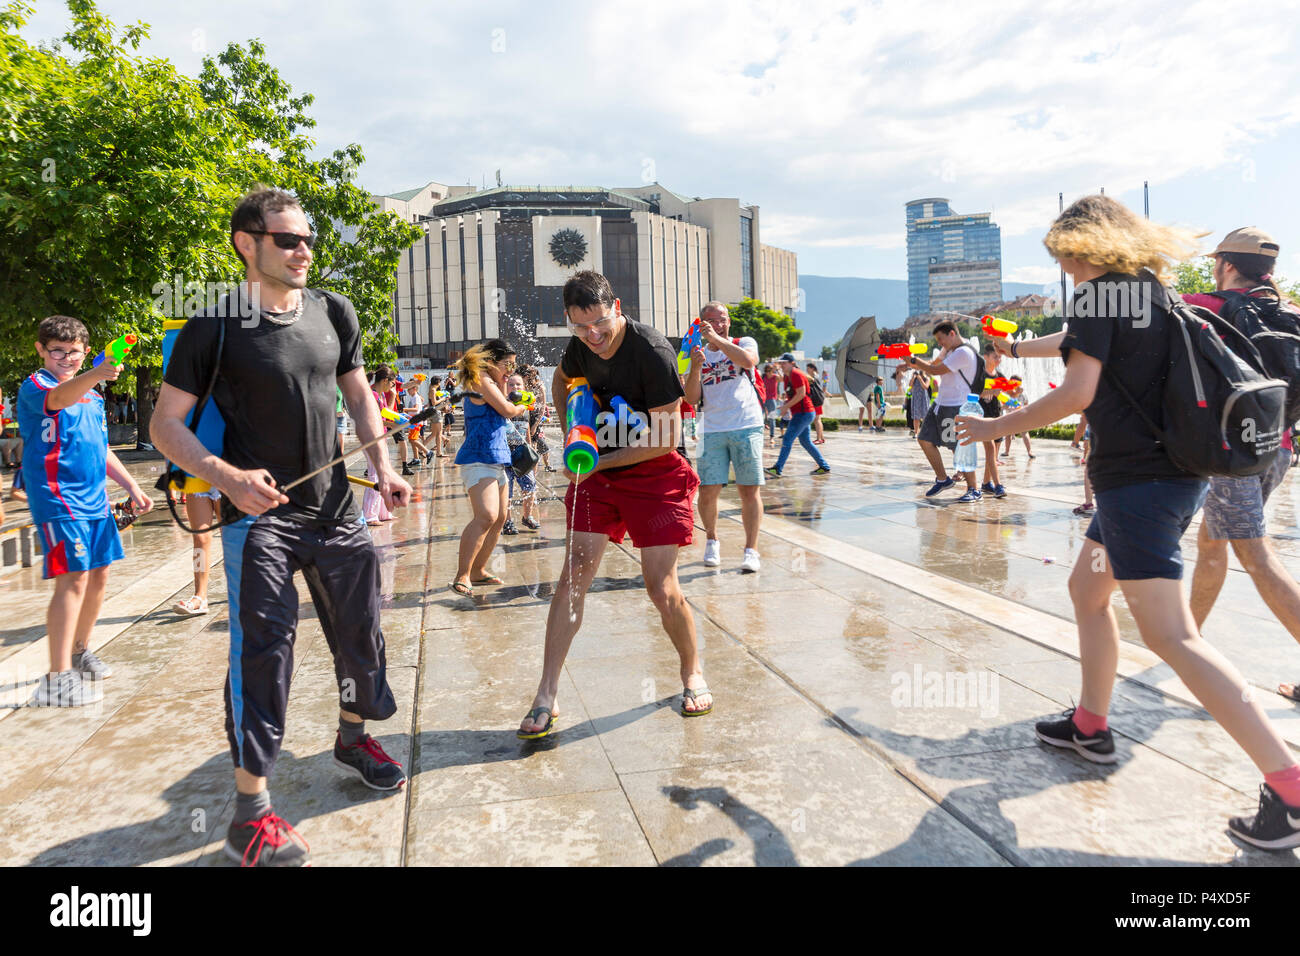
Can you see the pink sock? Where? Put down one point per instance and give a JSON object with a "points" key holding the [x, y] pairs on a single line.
{"points": [[1088, 722], [1286, 783]]}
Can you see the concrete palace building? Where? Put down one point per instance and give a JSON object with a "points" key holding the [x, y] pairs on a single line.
{"points": [[954, 261], [493, 262]]}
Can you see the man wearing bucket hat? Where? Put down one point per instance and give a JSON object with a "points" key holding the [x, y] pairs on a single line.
{"points": [[1234, 508]]}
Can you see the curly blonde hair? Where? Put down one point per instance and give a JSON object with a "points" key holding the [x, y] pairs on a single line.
{"points": [[1106, 233]]}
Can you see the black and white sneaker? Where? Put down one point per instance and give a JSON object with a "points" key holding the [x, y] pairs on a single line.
{"points": [[89, 665], [1099, 748], [369, 762], [1275, 827]]}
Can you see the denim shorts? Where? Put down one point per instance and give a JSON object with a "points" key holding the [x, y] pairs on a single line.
{"points": [[1141, 524], [741, 449], [475, 472], [1234, 508]]}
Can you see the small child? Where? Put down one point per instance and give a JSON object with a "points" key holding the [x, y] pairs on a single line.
{"points": [[517, 434], [1016, 399], [66, 459]]}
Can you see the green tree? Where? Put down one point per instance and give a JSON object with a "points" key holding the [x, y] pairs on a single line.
{"points": [[774, 331], [357, 249], [118, 174], [829, 352], [1195, 275]]}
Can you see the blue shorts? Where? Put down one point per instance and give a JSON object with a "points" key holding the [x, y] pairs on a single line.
{"points": [[75, 545], [1140, 526], [741, 449]]}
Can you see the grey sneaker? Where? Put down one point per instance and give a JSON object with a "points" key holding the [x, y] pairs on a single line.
{"points": [[65, 689], [88, 664]]}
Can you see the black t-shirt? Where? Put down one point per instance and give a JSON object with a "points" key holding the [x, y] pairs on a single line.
{"points": [[991, 407], [643, 371], [276, 389], [1122, 321]]}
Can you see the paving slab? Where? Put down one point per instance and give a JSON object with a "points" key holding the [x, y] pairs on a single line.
{"points": [[876, 686]]}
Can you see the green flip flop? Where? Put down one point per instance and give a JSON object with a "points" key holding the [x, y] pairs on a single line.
{"points": [[693, 693], [532, 716]]}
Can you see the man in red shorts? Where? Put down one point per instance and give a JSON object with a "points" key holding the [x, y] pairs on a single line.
{"points": [[641, 485]]}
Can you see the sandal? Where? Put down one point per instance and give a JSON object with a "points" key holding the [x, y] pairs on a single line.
{"points": [[693, 693], [1085, 509], [490, 579], [461, 587], [191, 607], [1295, 691], [532, 716]]}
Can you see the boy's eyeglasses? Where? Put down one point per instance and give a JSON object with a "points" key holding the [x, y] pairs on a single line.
{"points": [[60, 354], [285, 240]]}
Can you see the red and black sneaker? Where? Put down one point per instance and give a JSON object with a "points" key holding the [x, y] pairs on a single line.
{"points": [[367, 760], [266, 841]]}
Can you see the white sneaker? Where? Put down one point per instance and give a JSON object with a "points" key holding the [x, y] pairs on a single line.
{"points": [[750, 563], [65, 689], [712, 553]]}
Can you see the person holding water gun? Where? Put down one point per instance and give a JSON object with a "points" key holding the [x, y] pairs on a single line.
{"points": [[484, 457], [373, 508], [1016, 399], [66, 460], [640, 484], [413, 404]]}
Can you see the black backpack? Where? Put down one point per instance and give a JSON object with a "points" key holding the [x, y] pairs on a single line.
{"points": [[1275, 333], [815, 393], [1222, 413]]}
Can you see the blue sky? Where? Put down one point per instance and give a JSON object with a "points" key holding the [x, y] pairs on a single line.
{"points": [[829, 116]]}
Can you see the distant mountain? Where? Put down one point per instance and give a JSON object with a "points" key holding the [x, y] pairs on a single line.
{"points": [[833, 303]]}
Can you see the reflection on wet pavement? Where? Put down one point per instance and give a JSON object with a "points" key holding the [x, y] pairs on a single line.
{"points": [[877, 684]]}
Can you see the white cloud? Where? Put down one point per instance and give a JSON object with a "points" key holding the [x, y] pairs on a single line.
{"points": [[829, 115], [1042, 275]]}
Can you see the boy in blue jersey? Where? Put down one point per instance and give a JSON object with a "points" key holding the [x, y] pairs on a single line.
{"points": [[65, 461]]}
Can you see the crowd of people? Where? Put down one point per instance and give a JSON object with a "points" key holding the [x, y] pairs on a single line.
{"points": [[282, 496]]}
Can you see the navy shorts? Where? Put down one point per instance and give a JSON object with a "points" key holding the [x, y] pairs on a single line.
{"points": [[1140, 526]]}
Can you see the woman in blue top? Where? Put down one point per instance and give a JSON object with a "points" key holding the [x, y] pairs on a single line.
{"points": [[484, 457]]}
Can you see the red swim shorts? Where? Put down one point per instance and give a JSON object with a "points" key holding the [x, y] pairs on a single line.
{"points": [[652, 500]]}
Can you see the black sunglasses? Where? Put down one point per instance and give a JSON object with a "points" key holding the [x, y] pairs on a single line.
{"points": [[285, 240]]}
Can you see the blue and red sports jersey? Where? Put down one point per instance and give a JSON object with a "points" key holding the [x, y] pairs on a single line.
{"points": [[65, 453]]}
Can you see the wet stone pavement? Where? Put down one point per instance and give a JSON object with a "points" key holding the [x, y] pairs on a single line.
{"points": [[876, 689]]}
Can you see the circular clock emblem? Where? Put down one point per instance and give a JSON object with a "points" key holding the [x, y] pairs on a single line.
{"points": [[568, 247]]}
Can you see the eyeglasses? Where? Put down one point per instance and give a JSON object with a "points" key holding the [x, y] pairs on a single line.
{"points": [[602, 325], [60, 354], [285, 240]]}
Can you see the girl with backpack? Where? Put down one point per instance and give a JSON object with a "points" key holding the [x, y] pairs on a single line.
{"points": [[1117, 341]]}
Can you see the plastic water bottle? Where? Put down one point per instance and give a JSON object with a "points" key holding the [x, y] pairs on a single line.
{"points": [[967, 457]]}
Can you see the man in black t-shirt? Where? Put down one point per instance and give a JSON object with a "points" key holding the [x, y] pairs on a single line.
{"points": [[641, 485], [286, 349]]}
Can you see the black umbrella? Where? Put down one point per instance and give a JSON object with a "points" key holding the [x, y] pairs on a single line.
{"points": [[854, 368]]}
